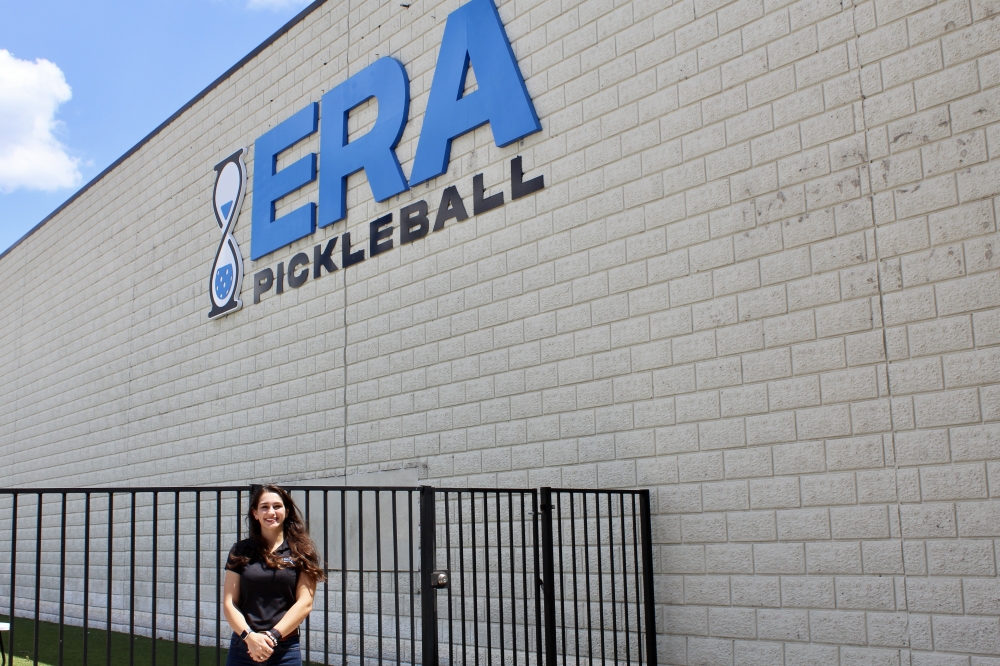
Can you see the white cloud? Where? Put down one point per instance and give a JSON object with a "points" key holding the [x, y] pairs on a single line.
{"points": [[30, 155], [276, 4]]}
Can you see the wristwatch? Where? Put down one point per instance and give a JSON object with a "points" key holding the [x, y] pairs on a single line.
{"points": [[244, 634]]}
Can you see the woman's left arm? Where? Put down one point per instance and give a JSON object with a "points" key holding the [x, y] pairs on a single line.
{"points": [[305, 591]]}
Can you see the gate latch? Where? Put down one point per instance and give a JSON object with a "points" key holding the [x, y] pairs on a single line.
{"points": [[439, 579]]}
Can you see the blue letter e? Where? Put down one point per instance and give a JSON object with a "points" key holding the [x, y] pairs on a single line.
{"points": [[386, 81], [270, 185], [473, 32]]}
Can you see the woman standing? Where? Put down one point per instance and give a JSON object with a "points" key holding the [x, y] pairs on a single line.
{"points": [[270, 582]]}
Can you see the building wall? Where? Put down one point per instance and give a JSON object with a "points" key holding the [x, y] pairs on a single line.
{"points": [[762, 279]]}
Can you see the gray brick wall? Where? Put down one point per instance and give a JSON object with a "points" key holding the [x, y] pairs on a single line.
{"points": [[763, 279]]}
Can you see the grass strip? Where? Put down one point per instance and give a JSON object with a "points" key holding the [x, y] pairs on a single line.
{"points": [[48, 647]]}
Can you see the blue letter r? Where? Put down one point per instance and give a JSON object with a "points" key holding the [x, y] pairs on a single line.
{"points": [[385, 80]]}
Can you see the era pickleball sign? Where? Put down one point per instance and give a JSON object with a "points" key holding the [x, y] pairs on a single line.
{"points": [[474, 37]]}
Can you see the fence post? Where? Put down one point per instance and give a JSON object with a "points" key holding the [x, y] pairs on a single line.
{"points": [[13, 573], [548, 577], [649, 602], [428, 560]]}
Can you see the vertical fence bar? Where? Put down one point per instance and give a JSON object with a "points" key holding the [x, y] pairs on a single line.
{"points": [[428, 606], [395, 569], [647, 577], [155, 551], [640, 646], [86, 575], [197, 578], [548, 577], [13, 570], [562, 576], [308, 495], [343, 574], [361, 571], [500, 580], [326, 570], [474, 572], [447, 556], [600, 572], [539, 645], [513, 579], [38, 573], [131, 585], [486, 582], [177, 571], [461, 569], [611, 572], [111, 536], [576, 584], [413, 609], [378, 568], [586, 578], [524, 583], [218, 577], [628, 642], [62, 577]]}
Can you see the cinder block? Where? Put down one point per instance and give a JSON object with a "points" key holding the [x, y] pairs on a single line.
{"points": [[729, 558], [837, 627], [967, 634], [882, 557], [756, 591], [967, 557], [807, 592], [751, 526], [862, 522], [783, 625], [732, 623], [928, 521], [982, 596], [782, 492], [842, 557], [953, 482]]}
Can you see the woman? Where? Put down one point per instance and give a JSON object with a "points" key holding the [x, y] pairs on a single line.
{"points": [[270, 582]]}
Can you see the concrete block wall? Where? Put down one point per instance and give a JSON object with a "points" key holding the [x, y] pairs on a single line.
{"points": [[762, 279]]}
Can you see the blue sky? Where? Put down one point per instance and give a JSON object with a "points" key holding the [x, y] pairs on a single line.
{"points": [[116, 69]]}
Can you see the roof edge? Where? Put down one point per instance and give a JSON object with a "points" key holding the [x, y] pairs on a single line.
{"points": [[298, 18]]}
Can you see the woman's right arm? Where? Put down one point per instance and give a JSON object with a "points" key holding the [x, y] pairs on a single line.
{"points": [[258, 646], [231, 597]]}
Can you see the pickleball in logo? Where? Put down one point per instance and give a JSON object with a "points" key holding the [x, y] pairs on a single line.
{"points": [[227, 270]]}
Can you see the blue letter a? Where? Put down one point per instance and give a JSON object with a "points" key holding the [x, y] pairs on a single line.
{"points": [[385, 80], [473, 33]]}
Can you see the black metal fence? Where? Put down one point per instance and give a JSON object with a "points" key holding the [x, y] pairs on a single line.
{"points": [[415, 575]]}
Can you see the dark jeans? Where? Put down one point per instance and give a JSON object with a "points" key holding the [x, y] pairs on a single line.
{"points": [[286, 654]]}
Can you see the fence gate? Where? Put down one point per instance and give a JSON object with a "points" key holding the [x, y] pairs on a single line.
{"points": [[554, 577], [485, 541], [422, 575]]}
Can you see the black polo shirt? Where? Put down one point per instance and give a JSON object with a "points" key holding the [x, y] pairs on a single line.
{"points": [[265, 594]]}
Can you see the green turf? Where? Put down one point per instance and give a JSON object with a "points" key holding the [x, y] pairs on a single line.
{"points": [[48, 647]]}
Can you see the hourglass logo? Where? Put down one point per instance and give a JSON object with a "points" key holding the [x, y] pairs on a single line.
{"points": [[226, 278]]}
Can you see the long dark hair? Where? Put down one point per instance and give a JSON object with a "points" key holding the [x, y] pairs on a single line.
{"points": [[306, 559]]}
